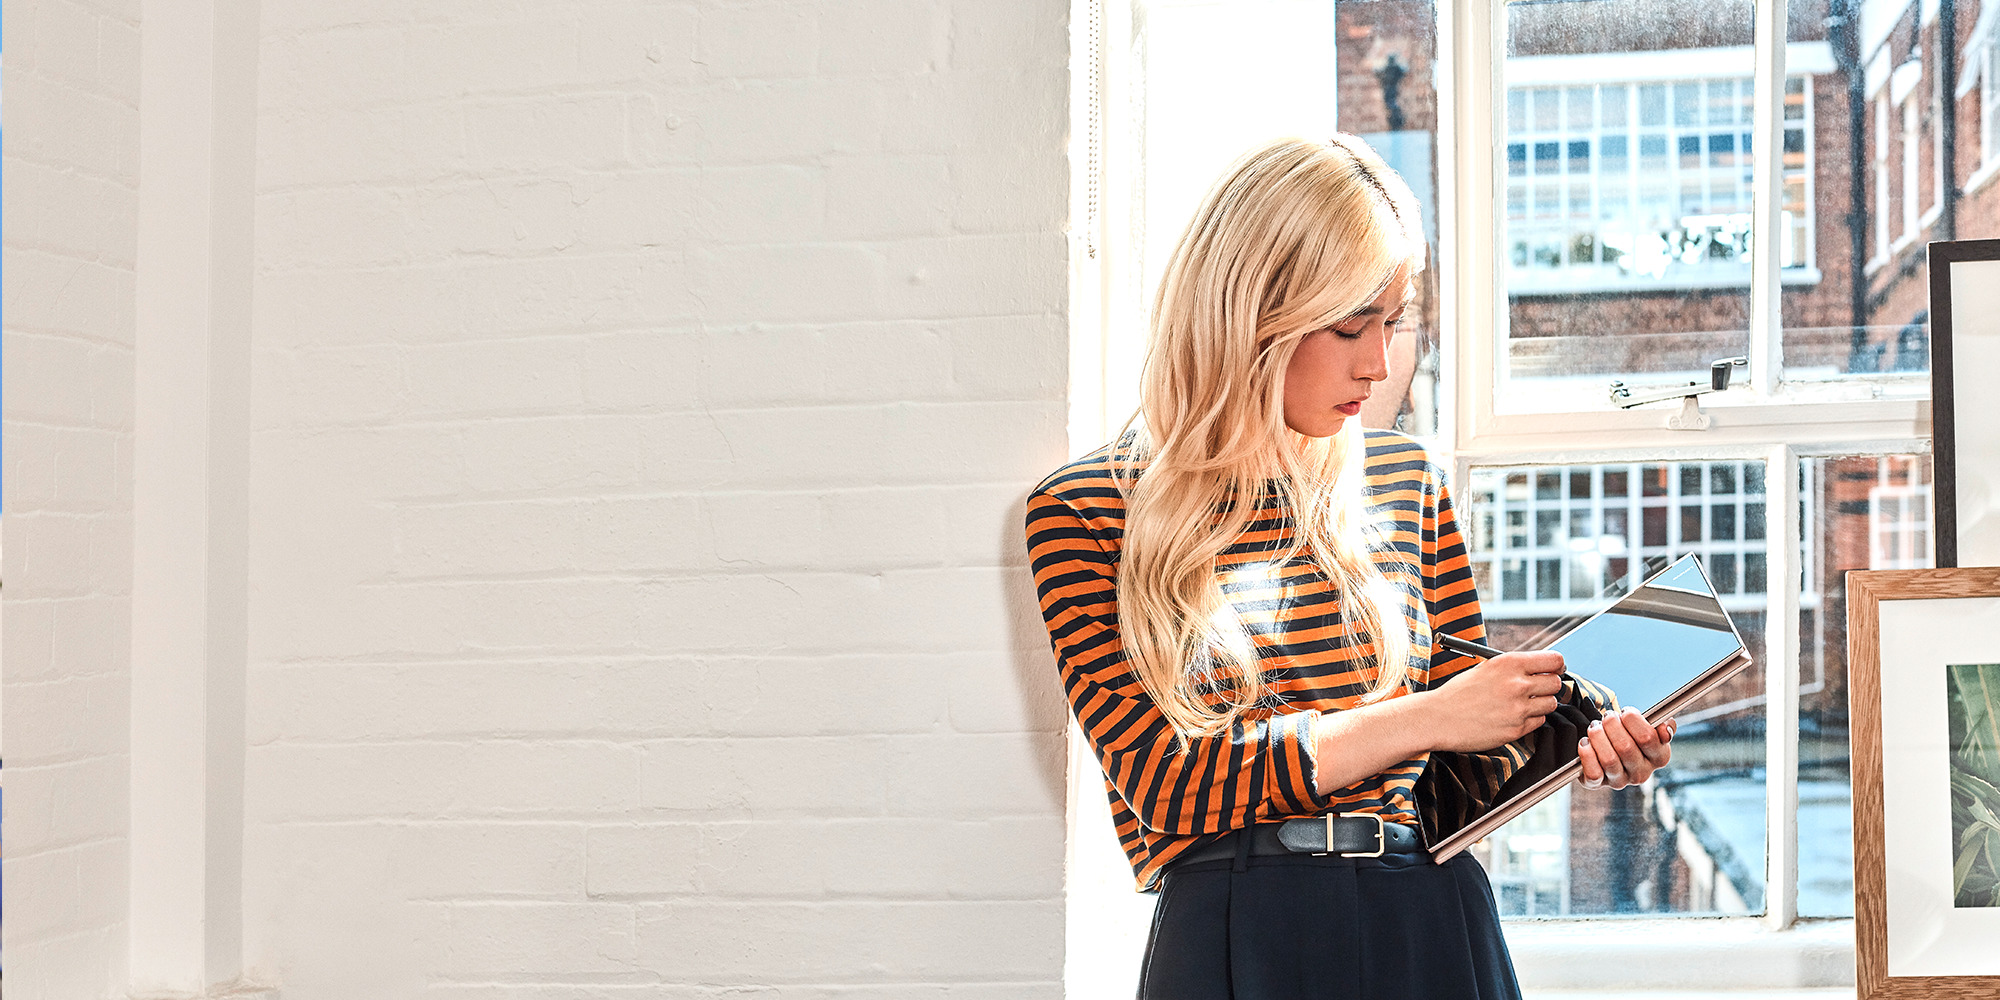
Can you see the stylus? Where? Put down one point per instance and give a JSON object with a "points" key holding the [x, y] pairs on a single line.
{"points": [[1469, 648]]}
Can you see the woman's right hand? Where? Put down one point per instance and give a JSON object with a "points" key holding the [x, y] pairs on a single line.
{"points": [[1494, 701]]}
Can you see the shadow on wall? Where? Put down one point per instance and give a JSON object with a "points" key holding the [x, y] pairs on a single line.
{"points": [[1040, 688]]}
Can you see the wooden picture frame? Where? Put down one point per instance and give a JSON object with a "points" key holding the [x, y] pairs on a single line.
{"points": [[1965, 426], [1908, 631]]}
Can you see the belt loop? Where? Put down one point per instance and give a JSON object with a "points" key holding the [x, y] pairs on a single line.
{"points": [[1243, 839]]}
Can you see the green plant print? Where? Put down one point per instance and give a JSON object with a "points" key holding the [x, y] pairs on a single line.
{"points": [[1973, 693]]}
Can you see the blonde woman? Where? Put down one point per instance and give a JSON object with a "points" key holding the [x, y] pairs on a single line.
{"points": [[1243, 592]]}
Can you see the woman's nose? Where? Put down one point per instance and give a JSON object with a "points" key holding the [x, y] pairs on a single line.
{"points": [[1375, 360]]}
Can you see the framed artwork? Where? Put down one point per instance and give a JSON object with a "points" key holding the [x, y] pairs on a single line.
{"points": [[1965, 410], [1924, 699]]}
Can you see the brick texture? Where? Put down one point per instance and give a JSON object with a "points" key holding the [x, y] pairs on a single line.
{"points": [[645, 394], [71, 210]]}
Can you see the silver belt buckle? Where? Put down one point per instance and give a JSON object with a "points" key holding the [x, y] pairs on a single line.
{"points": [[1381, 836]]}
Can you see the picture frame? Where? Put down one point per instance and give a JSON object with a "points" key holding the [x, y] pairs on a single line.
{"points": [[1965, 338], [1918, 642]]}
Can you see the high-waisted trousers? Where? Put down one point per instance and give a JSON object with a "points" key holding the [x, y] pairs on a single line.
{"points": [[1299, 927]]}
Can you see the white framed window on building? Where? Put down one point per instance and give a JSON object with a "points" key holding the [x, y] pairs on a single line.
{"points": [[1639, 183]]}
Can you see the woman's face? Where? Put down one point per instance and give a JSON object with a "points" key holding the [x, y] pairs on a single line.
{"points": [[1334, 369]]}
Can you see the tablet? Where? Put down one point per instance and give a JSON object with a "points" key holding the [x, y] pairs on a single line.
{"points": [[1658, 649]]}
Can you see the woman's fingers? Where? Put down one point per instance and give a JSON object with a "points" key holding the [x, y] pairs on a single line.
{"points": [[1623, 749], [1606, 754], [1593, 772], [1654, 749], [1618, 729]]}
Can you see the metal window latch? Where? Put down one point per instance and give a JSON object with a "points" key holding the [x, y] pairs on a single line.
{"points": [[1689, 417]]}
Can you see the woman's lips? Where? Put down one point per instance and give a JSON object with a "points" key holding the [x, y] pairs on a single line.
{"points": [[1350, 409]]}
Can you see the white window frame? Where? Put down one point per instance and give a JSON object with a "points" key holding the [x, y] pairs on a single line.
{"points": [[1472, 174], [1780, 425]]}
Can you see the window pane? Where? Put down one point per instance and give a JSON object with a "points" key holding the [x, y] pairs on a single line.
{"points": [[1644, 270], [1869, 181], [1867, 512], [1692, 839]]}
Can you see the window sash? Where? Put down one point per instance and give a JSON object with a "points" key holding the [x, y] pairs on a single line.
{"points": [[1473, 195]]}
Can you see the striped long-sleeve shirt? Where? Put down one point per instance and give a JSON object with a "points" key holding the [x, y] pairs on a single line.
{"points": [[1167, 800]]}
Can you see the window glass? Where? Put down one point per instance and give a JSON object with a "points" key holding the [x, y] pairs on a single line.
{"points": [[1865, 512], [1629, 255], [1692, 839], [1876, 164]]}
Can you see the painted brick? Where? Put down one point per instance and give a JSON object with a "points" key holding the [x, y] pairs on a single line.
{"points": [[432, 780], [66, 804], [886, 37], [643, 369], [758, 42], [665, 129], [524, 217], [96, 132], [873, 858], [29, 625], [865, 941], [338, 385], [894, 196], [493, 377], [634, 210], [654, 991], [759, 121], [563, 132], [760, 204], [325, 146], [474, 859], [92, 634], [636, 44], [475, 299], [543, 938], [649, 698]]}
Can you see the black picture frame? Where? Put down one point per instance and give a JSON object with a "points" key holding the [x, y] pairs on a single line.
{"points": [[1940, 256]]}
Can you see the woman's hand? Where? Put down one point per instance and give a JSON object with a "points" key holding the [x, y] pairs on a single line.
{"points": [[1624, 749], [1494, 701]]}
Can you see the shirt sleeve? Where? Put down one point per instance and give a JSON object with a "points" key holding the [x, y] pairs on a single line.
{"points": [[1454, 607], [1260, 769]]}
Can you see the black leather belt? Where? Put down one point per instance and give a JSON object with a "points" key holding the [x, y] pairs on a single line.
{"points": [[1349, 835]]}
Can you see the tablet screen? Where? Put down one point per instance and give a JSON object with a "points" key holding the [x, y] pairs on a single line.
{"points": [[1655, 640]]}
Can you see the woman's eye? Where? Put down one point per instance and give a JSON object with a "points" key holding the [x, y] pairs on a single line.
{"points": [[1347, 334]]}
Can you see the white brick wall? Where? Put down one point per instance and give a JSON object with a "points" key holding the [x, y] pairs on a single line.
{"points": [[645, 397], [70, 235]]}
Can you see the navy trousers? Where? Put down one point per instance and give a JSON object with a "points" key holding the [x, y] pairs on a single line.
{"points": [[1299, 927]]}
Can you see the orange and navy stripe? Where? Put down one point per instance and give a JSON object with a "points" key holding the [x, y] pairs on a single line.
{"points": [[1166, 802]]}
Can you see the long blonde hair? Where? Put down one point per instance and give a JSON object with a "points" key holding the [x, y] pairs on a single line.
{"points": [[1295, 237]]}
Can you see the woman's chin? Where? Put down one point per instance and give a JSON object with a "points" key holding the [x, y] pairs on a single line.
{"points": [[1325, 427]]}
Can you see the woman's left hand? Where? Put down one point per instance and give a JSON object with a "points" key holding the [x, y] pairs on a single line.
{"points": [[1624, 749]]}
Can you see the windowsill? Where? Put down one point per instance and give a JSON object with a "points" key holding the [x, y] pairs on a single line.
{"points": [[1518, 288], [1981, 177], [1707, 957]]}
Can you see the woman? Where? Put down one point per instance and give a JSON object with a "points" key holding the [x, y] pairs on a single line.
{"points": [[1243, 593]]}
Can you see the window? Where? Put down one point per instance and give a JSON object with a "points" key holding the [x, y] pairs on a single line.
{"points": [[1910, 197], [1984, 51], [1637, 183]]}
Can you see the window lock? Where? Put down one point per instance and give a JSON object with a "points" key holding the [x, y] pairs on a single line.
{"points": [[1690, 416]]}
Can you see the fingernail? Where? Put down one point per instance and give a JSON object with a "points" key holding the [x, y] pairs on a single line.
{"points": [[1582, 745], [1593, 782], [1595, 725]]}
